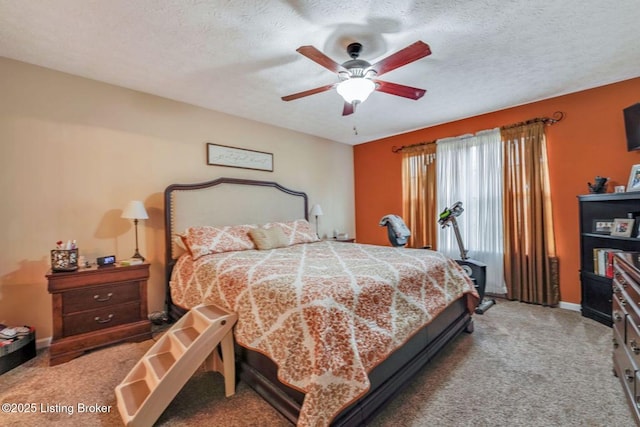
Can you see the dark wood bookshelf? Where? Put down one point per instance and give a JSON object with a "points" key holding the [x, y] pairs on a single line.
{"points": [[596, 289]]}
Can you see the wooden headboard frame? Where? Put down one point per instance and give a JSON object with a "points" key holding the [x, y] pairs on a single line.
{"points": [[226, 201]]}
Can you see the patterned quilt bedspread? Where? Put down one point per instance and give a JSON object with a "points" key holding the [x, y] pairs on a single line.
{"points": [[327, 312]]}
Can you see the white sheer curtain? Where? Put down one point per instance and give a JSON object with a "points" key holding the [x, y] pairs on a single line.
{"points": [[469, 169]]}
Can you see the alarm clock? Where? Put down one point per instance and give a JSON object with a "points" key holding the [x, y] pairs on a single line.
{"points": [[105, 261]]}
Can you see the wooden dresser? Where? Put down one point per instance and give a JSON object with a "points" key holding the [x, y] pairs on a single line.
{"points": [[626, 326], [94, 307]]}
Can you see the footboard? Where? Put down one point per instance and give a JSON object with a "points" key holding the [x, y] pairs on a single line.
{"points": [[391, 376]]}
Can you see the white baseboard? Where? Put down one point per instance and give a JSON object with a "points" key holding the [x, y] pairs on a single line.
{"points": [[43, 343], [570, 306]]}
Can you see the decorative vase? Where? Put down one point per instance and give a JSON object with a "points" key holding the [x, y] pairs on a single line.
{"points": [[599, 186]]}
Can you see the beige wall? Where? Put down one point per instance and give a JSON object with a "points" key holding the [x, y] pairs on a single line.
{"points": [[74, 151]]}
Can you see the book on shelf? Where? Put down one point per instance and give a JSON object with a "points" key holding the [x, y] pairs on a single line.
{"points": [[603, 261]]}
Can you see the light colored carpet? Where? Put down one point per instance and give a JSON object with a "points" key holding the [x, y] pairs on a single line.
{"points": [[524, 365]]}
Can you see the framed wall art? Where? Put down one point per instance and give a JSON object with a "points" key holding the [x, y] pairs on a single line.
{"points": [[223, 155]]}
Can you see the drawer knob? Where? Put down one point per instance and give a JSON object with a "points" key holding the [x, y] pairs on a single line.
{"points": [[102, 299], [108, 319], [615, 343], [634, 347], [617, 317], [628, 375]]}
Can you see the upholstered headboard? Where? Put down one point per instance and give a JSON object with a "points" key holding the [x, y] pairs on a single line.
{"points": [[229, 201], [226, 201]]}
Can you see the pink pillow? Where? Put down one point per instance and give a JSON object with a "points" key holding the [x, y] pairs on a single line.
{"points": [[298, 231], [204, 240]]}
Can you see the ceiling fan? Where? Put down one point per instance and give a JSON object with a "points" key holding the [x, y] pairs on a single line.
{"points": [[357, 77]]}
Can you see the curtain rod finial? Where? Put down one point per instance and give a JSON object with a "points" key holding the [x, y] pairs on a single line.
{"points": [[557, 116]]}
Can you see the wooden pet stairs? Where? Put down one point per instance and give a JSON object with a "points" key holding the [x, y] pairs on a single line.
{"points": [[161, 373]]}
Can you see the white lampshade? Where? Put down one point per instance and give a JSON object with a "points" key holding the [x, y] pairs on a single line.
{"points": [[356, 89], [316, 210], [135, 210]]}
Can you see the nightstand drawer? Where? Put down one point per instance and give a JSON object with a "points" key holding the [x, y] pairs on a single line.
{"points": [[94, 320], [99, 297]]}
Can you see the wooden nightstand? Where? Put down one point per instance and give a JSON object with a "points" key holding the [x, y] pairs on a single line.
{"points": [[94, 307]]}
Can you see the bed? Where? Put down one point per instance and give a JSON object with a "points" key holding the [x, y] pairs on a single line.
{"points": [[327, 331]]}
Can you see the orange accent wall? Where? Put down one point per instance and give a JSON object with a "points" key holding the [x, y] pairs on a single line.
{"points": [[589, 141]]}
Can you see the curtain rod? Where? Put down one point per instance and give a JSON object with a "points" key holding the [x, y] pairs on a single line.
{"points": [[417, 144], [555, 118]]}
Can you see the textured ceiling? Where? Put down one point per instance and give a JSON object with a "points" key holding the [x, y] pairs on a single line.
{"points": [[239, 56]]}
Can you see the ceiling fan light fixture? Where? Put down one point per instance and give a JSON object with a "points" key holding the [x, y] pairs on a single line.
{"points": [[355, 89]]}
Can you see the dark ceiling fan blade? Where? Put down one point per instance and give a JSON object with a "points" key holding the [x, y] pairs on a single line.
{"points": [[399, 90], [348, 109], [316, 56], [308, 92], [402, 57]]}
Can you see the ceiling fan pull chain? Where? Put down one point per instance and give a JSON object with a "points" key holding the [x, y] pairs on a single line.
{"points": [[355, 124]]}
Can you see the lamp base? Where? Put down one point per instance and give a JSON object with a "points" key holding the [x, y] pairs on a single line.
{"points": [[137, 255]]}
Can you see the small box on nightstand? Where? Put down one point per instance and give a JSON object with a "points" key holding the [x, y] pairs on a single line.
{"points": [[64, 259]]}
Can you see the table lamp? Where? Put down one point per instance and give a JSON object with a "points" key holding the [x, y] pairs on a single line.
{"points": [[135, 210], [316, 211]]}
